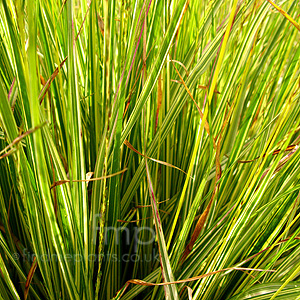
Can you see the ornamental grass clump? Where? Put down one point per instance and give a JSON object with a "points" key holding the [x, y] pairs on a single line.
{"points": [[149, 149]]}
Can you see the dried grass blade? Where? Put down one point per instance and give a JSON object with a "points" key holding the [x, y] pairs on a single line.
{"points": [[29, 277], [285, 14], [153, 159]]}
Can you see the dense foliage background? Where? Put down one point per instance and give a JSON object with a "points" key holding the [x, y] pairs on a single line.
{"points": [[184, 114]]}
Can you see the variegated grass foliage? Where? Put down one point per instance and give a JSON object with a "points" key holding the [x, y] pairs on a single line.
{"points": [[149, 149]]}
